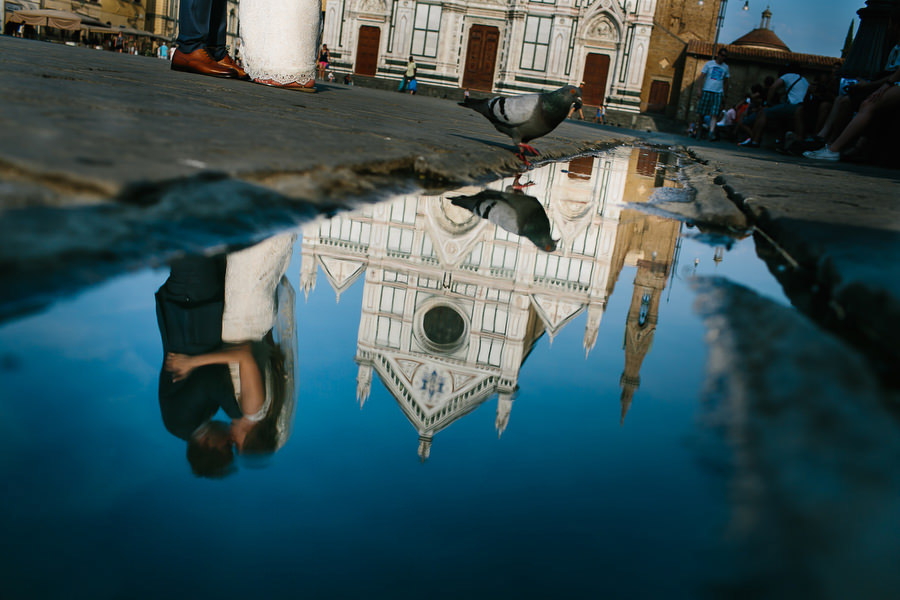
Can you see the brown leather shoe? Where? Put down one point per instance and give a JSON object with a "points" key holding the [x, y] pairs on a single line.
{"points": [[200, 62], [227, 61]]}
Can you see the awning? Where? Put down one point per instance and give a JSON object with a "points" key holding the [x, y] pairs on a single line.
{"points": [[61, 19]]}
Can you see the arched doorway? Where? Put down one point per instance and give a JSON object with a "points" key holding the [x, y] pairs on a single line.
{"points": [[367, 50], [596, 72], [481, 57]]}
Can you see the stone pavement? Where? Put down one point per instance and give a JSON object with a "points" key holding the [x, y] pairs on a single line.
{"points": [[83, 127]]}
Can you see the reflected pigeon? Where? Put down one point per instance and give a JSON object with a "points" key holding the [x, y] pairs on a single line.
{"points": [[524, 118], [514, 211]]}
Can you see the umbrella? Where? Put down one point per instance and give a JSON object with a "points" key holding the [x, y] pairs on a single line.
{"points": [[61, 19]]}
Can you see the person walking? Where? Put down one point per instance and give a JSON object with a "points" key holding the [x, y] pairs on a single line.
{"points": [[713, 85], [409, 74], [279, 43], [163, 51], [323, 59]]}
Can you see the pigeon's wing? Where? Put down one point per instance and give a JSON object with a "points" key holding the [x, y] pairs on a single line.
{"points": [[513, 112]]}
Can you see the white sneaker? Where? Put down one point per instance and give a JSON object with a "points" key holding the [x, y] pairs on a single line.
{"points": [[822, 154]]}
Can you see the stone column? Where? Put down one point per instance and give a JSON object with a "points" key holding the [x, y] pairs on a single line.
{"points": [[873, 42]]}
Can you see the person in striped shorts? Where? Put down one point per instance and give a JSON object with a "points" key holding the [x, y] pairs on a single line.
{"points": [[713, 85]]}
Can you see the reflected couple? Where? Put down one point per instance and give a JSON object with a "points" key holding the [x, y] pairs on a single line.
{"points": [[229, 343]]}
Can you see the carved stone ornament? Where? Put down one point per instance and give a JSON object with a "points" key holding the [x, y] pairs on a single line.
{"points": [[605, 31], [373, 6]]}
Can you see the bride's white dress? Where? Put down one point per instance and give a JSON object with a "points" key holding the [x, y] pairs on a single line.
{"points": [[279, 39]]}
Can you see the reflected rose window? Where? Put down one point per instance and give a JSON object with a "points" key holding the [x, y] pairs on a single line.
{"points": [[443, 326]]}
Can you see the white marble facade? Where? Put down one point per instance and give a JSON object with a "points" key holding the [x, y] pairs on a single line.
{"points": [[542, 44]]}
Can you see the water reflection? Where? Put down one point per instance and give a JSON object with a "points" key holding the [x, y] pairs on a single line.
{"points": [[229, 343], [453, 305]]}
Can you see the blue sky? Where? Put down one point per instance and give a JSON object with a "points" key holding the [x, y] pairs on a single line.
{"points": [[807, 26]]}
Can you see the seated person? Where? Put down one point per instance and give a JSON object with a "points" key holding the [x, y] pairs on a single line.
{"points": [[747, 117], [787, 113], [882, 103], [725, 124], [850, 97]]}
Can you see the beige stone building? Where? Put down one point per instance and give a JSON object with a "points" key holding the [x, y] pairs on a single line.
{"points": [[676, 23], [452, 305], [751, 58]]}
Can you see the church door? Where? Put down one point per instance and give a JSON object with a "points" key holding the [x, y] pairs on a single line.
{"points": [[481, 56], [659, 96], [367, 50], [596, 70]]}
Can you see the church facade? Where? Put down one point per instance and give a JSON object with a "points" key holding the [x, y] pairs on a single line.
{"points": [[514, 46]]}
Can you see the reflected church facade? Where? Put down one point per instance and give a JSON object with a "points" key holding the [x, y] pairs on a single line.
{"points": [[452, 305]]}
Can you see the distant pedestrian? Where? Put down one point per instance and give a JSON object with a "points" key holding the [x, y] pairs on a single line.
{"points": [[713, 84], [330, 76], [323, 60], [408, 74], [348, 80], [466, 93], [601, 115], [119, 43], [163, 51], [577, 107]]}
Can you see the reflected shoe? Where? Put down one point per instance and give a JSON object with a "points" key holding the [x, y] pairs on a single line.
{"points": [[227, 61], [822, 154], [309, 86], [200, 62]]}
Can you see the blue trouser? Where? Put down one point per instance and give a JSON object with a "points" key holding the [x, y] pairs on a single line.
{"points": [[202, 24]]}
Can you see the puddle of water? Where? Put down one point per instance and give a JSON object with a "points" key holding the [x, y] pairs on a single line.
{"points": [[443, 393]]}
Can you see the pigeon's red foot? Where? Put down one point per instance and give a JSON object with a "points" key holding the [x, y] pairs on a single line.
{"points": [[517, 185], [521, 156], [523, 148]]}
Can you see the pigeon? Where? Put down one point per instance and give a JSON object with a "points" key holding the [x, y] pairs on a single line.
{"points": [[524, 118], [514, 211]]}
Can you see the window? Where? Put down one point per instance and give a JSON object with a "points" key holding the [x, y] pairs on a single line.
{"points": [[504, 257], [425, 30], [494, 319], [387, 332], [489, 351], [537, 43], [392, 300], [404, 210], [346, 230], [563, 269], [400, 240]]}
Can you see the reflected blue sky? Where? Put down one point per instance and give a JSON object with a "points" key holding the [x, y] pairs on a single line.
{"points": [[101, 502]]}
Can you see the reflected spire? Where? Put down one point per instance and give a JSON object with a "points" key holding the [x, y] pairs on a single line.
{"points": [[308, 272], [592, 329], [425, 446], [629, 385], [363, 383], [504, 407]]}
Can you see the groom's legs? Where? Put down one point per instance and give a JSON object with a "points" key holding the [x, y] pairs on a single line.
{"points": [[217, 29], [193, 25]]}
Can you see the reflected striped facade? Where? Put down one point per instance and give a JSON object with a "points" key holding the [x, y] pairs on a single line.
{"points": [[452, 305]]}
